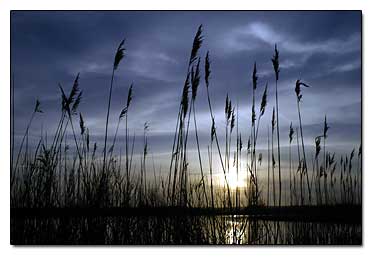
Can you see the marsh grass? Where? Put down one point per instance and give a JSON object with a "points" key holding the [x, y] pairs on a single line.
{"points": [[56, 175]]}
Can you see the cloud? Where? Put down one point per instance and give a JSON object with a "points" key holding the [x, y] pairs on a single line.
{"points": [[152, 65], [322, 49], [347, 67], [253, 35], [262, 31]]}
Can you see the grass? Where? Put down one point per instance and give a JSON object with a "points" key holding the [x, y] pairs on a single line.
{"points": [[52, 175], [275, 61]]}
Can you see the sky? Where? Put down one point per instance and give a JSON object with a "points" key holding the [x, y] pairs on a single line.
{"points": [[323, 49]]}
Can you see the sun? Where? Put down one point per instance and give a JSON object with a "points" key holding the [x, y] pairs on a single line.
{"points": [[234, 180]]}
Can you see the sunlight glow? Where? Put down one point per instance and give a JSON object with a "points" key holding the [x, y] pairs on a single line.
{"points": [[234, 180]]}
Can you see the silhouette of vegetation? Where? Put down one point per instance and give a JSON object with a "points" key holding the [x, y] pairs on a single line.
{"points": [[53, 176]]}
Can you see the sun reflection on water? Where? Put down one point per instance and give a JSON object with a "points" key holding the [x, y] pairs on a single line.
{"points": [[235, 230]]}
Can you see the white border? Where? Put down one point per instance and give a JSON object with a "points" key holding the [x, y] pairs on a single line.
{"points": [[289, 252]]}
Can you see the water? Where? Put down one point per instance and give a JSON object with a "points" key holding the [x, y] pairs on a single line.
{"points": [[243, 230], [194, 230]]}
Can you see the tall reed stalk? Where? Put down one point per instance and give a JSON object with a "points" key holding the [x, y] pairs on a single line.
{"points": [[304, 167], [253, 133], [262, 112], [36, 110], [325, 129], [213, 131], [195, 84], [275, 61], [319, 170], [179, 159], [120, 53], [299, 168], [273, 122], [268, 178], [290, 136]]}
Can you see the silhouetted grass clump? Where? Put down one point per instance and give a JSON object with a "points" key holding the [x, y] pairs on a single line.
{"points": [[54, 175]]}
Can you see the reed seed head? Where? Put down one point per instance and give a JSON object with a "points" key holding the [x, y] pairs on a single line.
{"points": [[325, 128], [290, 135], [76, 103], [273, 121], [74, 90], [185, 100], [275, 61], [253, 117], [254, 77], [298, 89], [212, 131], [207, 69], [195, 78], [123, 113], [198, 40], [119, 55], [129, 96], [87, 140], [232, 122], [81, 123], [64, 99], [264, 101], [37, 107], [318, 145]]}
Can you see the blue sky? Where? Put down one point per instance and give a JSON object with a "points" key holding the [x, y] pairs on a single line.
{"points": [[321, 48]]}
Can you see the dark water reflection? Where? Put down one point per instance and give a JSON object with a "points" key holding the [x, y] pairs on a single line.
{"points": [[242, 230], [195, 230]]}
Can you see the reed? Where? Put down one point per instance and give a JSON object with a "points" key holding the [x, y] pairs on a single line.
{"points": [[56, 175], [268, 177], [120, 53], [213, 128], [275, 61], [320, 172], [195, 84], [299, 169], [290, 137], [253, 132], [262, 112], [35, 111], [325, 129], [273, 122], [181, 134], [304, 163]]}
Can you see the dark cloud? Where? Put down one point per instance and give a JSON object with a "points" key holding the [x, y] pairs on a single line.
{"points": [[321, 48]]}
